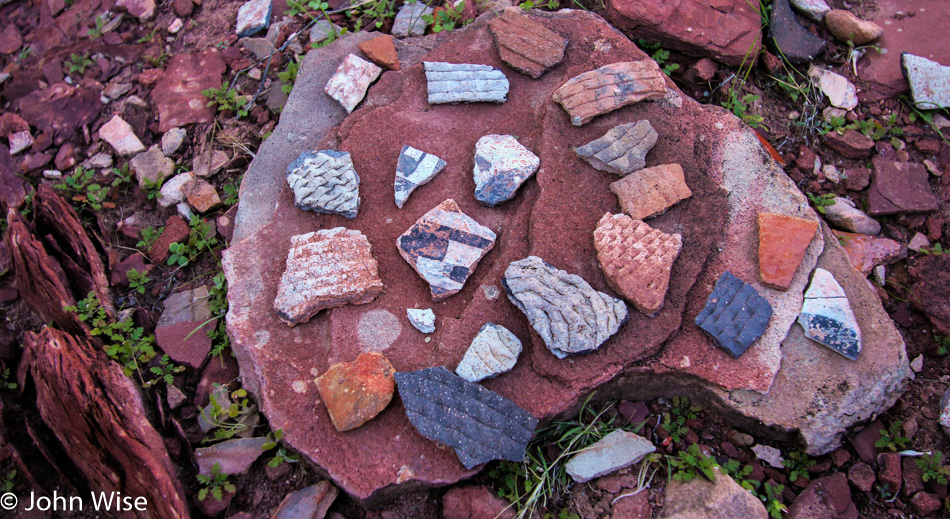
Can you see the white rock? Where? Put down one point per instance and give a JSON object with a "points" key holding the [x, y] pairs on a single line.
{"points": [[880, 275], [770, 455], [929, 81], [919, 241], [99, 161], [52, 174], [831, 173], [253, 17], [932, 168], [841, 92], [120, 136], [176, 189], [917, 364], [944, 418], [615, 451], [172, 140], [494, 350], [20, 141], [352, 78], [423, 320], [175, 26], [844, 215], [184, 210], [827, 318], [814, 9]]}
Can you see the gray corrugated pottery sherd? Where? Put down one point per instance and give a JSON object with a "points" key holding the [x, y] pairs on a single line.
{"points": [[325, 181], [494, 350], [827, 317], [622, 150], [735, 315], [502, 164], [414, 169], [464, 83], [929, 81]]}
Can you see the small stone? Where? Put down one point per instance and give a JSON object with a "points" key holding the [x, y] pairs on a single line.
{"points": [[825, 498], [813, 9], [261, 48], [10, 39], [177, 95], [413, 169], [184, 210], [741, 439], [326, 269], [322, 31], [700, 498], [152, 167], [176, 231], [848, 28], [116, 90], [256, 74], [502, 164], [354, 393], [844, 215], [929, 81], [636, 259], [857, 179], [172, 140], [20, 141], [831, 173], [889, 471], [176, 24], [174, 397], [422, 320], [865, 252], [493, 351], [703, 70], [783, 241], [735, 315], [253, 17], [141, 9], [851, 144], [944, 418], [99, 161], [770, 455], [209, 163], [233, 457], [879, 275], [900, 187], [120, 136], [862, 476], [474, 502], [651, 191], [176, 189], [352, 78], [464, 83], [444, 246], [841, 92], [65, 157], [325, 181], [827, 318], [409, 20], [613, 452], [622, 150], [610, 87], [307, 503], [569, 315], [933, 168], [526, 45], [182, 330], [382, 51], [790, 38], [478, 424], [203, 196], [918, 242], [925, 503], [53, 174]]}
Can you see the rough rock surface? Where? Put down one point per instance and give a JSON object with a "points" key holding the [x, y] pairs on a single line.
{"points": [[178, 96], [735, 315], [325, 181], [651, 191], [636, 259], [152, 167], [182, 330], [307, 503], [702, 498], [494, 350], [726, 30], [790, 38], [851, 144], [502, 164], [464, 83], [927, 80], [813, 9], [354, 393], [478, 424], [526, 45], [846, 27], [444, 246], [232, 456], [352, 79], [474, 503], [141, 9], [783, 242], [866, 252], [610, 87], [825, 498], [422, 320], [900, 187], [827, 317], [414, 169], [120, 136], [326, 269], [409, 22], [932, 290], [841, 92], [569, 315], [616, 451], [944, 418], [843, 214], [622, 150], [253, 17]]}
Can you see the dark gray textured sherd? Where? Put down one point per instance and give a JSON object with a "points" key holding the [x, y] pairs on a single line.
{"points": [[464, 83], [735, 315], [478, 424], [622, 150], [325, 182]]}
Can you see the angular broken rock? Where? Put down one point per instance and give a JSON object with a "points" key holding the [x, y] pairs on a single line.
{"points": [[866, 252], [502, 164], [409, 21], [610, 87], [354, 393], [841, 92], [494, 350], [843, 214], [789, 38], [326, 269], [414, 169], [120, 136], [325, 182], [735, 315], [478, 424], [444, 246], [464, 82], [651, 191], [900, 187], [351, 80], [613, 452], [526, 45], [422, 320], [622, 150], [929, 81], [569, 315], [636, 259], [253, 17], [827, 317], [783, 241]]}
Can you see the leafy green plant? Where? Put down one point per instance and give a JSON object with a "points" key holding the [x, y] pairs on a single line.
{"points": [[81, 183], [200, 238], [228, 414], [226, 99], [692, 463], [78, 64], [771, 496], [741, 106], [375, 11], [659, 55], [218, 304], [96, 32], [122, 341], [137, 280], [933, 468], [289, 75], [797, 464], [281, 456], [891, 438], [447, 18], [943, 344], [164, 372], [152, 188], [5, 382], [231, 191], [8, 481], [674, 420], [148, 237], [822, 201], [216, 484], [935, 250]]}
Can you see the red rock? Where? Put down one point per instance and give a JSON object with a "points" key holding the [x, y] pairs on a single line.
{"points": [[610, 87], [866, 252], [783, 241], [925, 503], [825, 498], [651, 191], [840, 457], [11, 123], [856, 179], [636, 259], [806, 159], [526, 45], [183, 8], [703, 70], [203, 196], [176, 231], [474, 503], [900, 187], [141, 9], [773, 64], [381, 51], [151, 76], [182, 330], [862, 476], [863, 442], [221, 370], [65, 157], [912, 476], [12, 191], [889, 471], [354, 393], [727, 30], [10, 39], [307, 503], [60, 109], [233, 456], [932, 290], [851, 144], [847, 27], [178, 94], [119, 274]]}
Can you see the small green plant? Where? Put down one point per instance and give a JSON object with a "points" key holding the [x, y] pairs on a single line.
{"points": [[376, 12], [797, 464], [200, 238], [218, 304], [5, 382], [96, 32], [226, 99], [933, 468], [228, 413], [822, 201], [659, 55], [551, 5], [180, 254], [289, 75], [137, 280], [148, 38], [152, 188], [216, 484], [943, 344], [674, 420], [122, 341], [891, 438], [24, 53], [78, 64], [8, 481], [231, 191], [692, 463], [771, 495], [446, 19], [934, 250], [84, 188], [281, 456], [741, 106], [164, 372], [148, 237]]}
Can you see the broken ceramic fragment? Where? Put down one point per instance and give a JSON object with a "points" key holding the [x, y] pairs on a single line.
{"points": [[325, 182], [355, 392], [422, 320], [735, 315], [502, 164], [783, 241], [464, 83], [651, 191], [526, 45], [622, 150], [414, 169], [610, 87], [352, 78], [494, 350], [827, 317]]}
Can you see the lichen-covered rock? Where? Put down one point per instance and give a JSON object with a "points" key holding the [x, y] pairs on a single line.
{"points": [[827, 317], [783, 241], [494, 350], [414, 169], [622, 150], [929, 81], [464, 83], [354, 393], [526, 45], [422, 320], [409, 22], [610, 87], [613, 452], [326, 269], [502, 164], [636, 259], [569, 315], [651, 191], [351, 80], [325, 182], [735, 315]]}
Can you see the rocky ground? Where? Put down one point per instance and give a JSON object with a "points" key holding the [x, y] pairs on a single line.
{"points": [[130, 125]]}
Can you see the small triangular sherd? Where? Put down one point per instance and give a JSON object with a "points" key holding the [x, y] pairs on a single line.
{"points": [[827, 317], [783, 241], [735, 315], [414, 169]]}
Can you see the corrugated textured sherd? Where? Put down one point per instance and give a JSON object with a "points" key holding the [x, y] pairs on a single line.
{"points": [[494, 350], [526, 45], [622, 150], [464, 83], [651, 191], [610, 87], [735, 315], [325, 182]]}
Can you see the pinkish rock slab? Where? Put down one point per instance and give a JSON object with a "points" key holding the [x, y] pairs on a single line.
{"points": [[866, 252], [610, 87], [178, 95], [900, 187]]}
